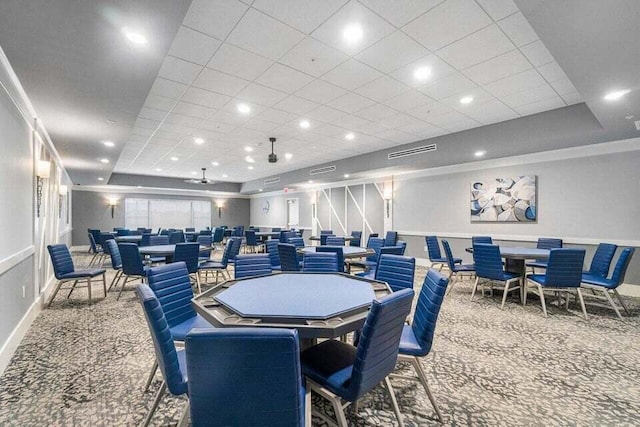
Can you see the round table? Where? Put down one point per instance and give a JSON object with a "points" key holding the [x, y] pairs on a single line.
{"points": [[128, 239], [348, 251], [318, 305]]}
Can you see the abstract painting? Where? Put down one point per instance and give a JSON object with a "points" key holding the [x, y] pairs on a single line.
{"points": [[510, 199]]}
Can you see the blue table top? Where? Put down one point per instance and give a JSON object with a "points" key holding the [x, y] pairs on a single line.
{"points": [[164, 250], [346, 238], [128, 239], [301, 295], [348, 251]]}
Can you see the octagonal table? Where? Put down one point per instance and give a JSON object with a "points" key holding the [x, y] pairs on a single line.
{"points": [[166, 251], [516, 257], [346, 238], [348, 251], [318, 305], [128, 239]]}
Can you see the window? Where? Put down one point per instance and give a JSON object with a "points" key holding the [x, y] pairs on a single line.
{"points": [[157, 213]]}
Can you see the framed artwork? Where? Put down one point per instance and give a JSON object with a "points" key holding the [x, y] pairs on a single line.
{"points": [[511, 199]]}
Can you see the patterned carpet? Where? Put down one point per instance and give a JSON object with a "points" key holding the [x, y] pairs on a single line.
{"points": [[81, 365]]}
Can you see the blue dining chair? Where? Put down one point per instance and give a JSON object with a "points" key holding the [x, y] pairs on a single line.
{"points": [[96, 235], [171, 361], [218, 235], [417, 338], [158, 240], [455, 270], [207, 241], [145, 240], [318, 262], [357, 238], [326, 232], [132, 266], [190, 229], [334, 241], [64, 271], [601, 261], [489, 268], [544, 243], [338, 250], [176, 237], [116, 263], [251, 241], [122, 232], [370, 261], [385, 250], [255, 380], [605, 285], [564, 273], [397, 270], [285, 235], [435, 256], [323, 238], [98, 253], [339, 371], [276, 229], [189, 254], [391, 238], [288, 257], [271, 246], [220, 267], [481, 239], [298, 242], [252, 265]]}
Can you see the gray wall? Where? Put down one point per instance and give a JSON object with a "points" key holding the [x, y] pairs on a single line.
{"points": [[91, 210], [277, 214]]}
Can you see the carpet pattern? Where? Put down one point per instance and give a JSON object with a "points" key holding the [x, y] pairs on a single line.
{"points": [[87, 365]]}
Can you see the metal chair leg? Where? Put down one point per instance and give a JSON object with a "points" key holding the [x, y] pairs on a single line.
{"points": [[152, 374], [73, 286], [307, 407], [184, 418], [198, 283], [622, 303], [124, 283], [55, 292], [612, 303], [544, 305], [89, 288], [115, 280], [104, 283], [475, 288], [450, 287], [394, 402], [154, 406], [423, 379], [584, 309]]}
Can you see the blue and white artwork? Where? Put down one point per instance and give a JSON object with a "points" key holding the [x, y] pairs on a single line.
{"points": [[510, 199]]}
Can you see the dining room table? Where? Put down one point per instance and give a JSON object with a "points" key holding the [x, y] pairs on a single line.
{"points": [[128, 239], [166, 251], [516, 257]]}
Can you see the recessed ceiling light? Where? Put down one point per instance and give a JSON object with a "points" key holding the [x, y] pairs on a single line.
{"points": [[249, 159], [100, 179], [422, 73], [250, 168], [158, 169], [224, 175], [346, 175], [104, 160], [616, 94], [244, 108], [194, 173], [466, 100], [304, 124], [134, 37], [215, 163], [288, 156], [174, 159], [260, 190], [139, 186], [248, 149], [479, 153], [108, 143], [310, 181], [350, 136], [198, 141], [629, 117], [352, 33]]}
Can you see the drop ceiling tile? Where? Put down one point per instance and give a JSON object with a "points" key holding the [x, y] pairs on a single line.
{"points": [[351, 102], [392, 52], [408, 100], [398, 120], [376, 112], [518, 29], [260, 125], [446, 23], [264, 35], [451, 85], [373, 28], [277, 116], [351, 74], [563, 86], [304, 15], [515, 83], [229, 118], [397, 136], [552, 72], [178, 70], [168, 88], [152, 113], [452, 121], [332, 130], [540, 106], [313, 57], [325, 114], [262, 95], [537, 53], [428, 111], [529, 96], [296, 105], [214, 17], [572, 98], [382, 89], [498, 68], [219, 82], [399, 12], [498, 9], [491, 111], [479, 96], [193, 46], [146, 123], [284, 78], [351, 122], [193, 110], [437, 67], [239, 62], [206, 98], [182, 120], [477, 47], [320, 91]]}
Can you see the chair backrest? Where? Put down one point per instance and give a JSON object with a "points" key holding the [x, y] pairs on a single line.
{"points": [[377, 351], [601, 261], [145, 240], [285, 235], [391, 250], [334, 241], [236, 245], [122, 232], [165, 349], [338, 251], [92, 243], [114, 253], [448, 254], [250, 238], [276, 229], [375, 243], [171, 285], [621, 266], [288, 257], [481, 239], [391, 238], [324, 237], [96, 234], [131, 261], [176, 237], [190, 229], [188, 253], [205, 233], [547, 243], [252, 265], [488, 261], [229, 250], [402, 245], [164, 232], [61, 259], [255, 380], [204, 240], [357, 238], [104, 237], [272, 251], [237, 231], [320, 262], [326, 232], [427, 309], [564, 268], [218, 235], [158, 240], [398, 271], [301, 232]]}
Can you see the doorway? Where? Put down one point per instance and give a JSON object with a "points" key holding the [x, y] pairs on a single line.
{"points": [[293, 213]]}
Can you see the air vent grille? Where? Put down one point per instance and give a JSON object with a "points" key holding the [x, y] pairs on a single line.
{"points": [[272, 181], [412, 151], [325, 169]]}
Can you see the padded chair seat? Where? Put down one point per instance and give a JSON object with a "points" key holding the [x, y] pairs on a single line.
{"points": [[465, 267], [593, 279], [539, 278], [180, 331], [537, 264], [211, 265], [79, 274], [444, 260], [329, 364], [507, 275], [409, 343]]}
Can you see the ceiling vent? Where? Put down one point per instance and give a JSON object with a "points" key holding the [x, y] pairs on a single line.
{"points": [[272, 181], [412, 151], [319, 171]]}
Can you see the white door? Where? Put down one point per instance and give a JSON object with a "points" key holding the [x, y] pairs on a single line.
{"points": [[293, 213]]}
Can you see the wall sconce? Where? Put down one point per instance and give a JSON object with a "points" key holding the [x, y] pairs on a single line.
{"points": [[113, 203], [387, 196], [61, 193], [43, 169], [219, 204]]}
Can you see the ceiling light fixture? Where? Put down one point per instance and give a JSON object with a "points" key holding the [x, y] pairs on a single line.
{"points": [[224, 175], [422, 73], [466, 100], [350, 136], [194, 173], [100, 178], [249, 159], [260, 190], [616, 94], [134, 37], [352, 33], [244, 108], [310, 181], [250, 168], [480, 153], [304, 124], [108, 143], [215, 163], [346, 175], [105, 161], [174, 159], [198, 141], [288, 156], [248, 149], [158, 169]]}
